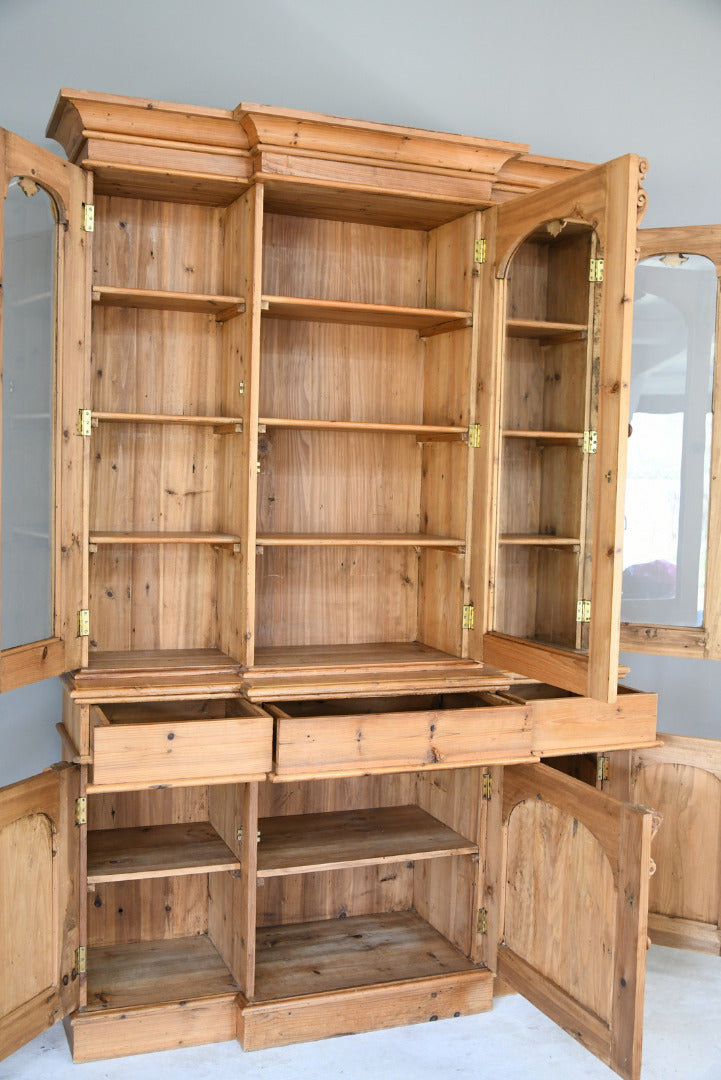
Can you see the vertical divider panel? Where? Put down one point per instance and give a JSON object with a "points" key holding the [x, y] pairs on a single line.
{"points": [[233, 813], [237, 473]]}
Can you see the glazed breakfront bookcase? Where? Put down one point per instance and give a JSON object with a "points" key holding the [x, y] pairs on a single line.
{"points": [[337, 423]]}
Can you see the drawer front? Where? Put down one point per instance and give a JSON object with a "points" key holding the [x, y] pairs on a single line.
{"points": [[388, 742], [184, 750]]}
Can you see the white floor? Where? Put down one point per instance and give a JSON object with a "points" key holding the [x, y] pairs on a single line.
{"points": [[513, 1042]]}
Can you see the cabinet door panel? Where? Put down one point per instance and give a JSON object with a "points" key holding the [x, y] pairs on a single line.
{"points": [[682, 780], [39, 904], [571, 914], [42, 347], [557, 318]]}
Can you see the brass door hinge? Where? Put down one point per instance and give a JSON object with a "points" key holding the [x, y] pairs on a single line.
{"points": [[487, 786], [81, 960], [239, 835], [483, 920], [85, 422], [241, 386], [88, 223], [474, 435], [468, 616], [590, 442], [603, 768], [583, 611], [479, 250], [596, 270], [84, 623], [81, 811]]}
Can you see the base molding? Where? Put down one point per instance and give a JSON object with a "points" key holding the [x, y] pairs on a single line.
{"points": [[684, 933], [370, 1008]]}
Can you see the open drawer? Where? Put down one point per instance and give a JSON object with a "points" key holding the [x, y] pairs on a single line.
{"points": [[149, 743], [352, 736]]}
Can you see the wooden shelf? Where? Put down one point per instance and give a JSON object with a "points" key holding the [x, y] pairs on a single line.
{"points": [[301, 844], [98, 539], [359, 540], [338, 954], [551, 332], [424, 432], [222, 424], [521, 540], [356, 314], [223, 307], [549, 438], [156, 973], [157, 851]]}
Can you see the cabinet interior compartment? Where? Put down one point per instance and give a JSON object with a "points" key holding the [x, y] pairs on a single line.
{"points": [[548, 414], [164, 888], [167, 511], [380, 896], [362, 529]]}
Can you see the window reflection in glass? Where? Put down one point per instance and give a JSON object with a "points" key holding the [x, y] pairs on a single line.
{"points": [[670, 441], [28, 347]]}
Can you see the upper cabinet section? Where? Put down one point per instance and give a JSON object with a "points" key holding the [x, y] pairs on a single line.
{"points": [[44, 296], [672, 574], [557, 318], [290, 469]]}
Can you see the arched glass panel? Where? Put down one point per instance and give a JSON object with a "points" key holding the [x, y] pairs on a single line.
{"points": [[669, 447], [28, 347]]}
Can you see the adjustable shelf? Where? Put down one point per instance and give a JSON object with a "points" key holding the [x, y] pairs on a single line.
{"points": [[424, 432], [425, 320], [98, 539], [220, 424], [546, 330], [304, 843], [359, 540], [222, 307], [521, 540], [157, 851]]}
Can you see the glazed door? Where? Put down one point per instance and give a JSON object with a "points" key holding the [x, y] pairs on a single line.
{"points": [[557, 291], [682, 780], [568, 894], [39, 904], [672, 567], [43, 298]]}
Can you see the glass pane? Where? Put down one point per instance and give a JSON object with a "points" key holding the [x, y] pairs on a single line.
{"points": [[670, 441], [28, 346]]}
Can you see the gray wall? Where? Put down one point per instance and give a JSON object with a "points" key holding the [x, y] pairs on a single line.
{"points": [[581, 79]]}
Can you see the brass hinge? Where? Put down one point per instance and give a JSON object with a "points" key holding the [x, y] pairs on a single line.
{"points": [[487, 785], [474, 435], [483, 920], [479, 251], [590, 442], [81, 811], [596, 270], [85, 422], [468, 616], [583, 611], [241, 386], [603, 768], [84, 623], [81, 960], [88, 223]]}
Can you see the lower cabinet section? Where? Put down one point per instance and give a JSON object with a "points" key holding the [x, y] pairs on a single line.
{"points": [[284, 912]]}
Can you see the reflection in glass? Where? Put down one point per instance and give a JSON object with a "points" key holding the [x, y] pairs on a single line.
{"points": [[670, 442], [28, 346]]}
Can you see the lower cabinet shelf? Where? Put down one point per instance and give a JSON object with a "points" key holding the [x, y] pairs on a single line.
{"points": [[157, 851]]}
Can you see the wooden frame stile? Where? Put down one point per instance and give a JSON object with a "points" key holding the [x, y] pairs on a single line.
{"points": [[574, 943], [608, 200], [38, 940], [703, 641], [68, 188]]}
